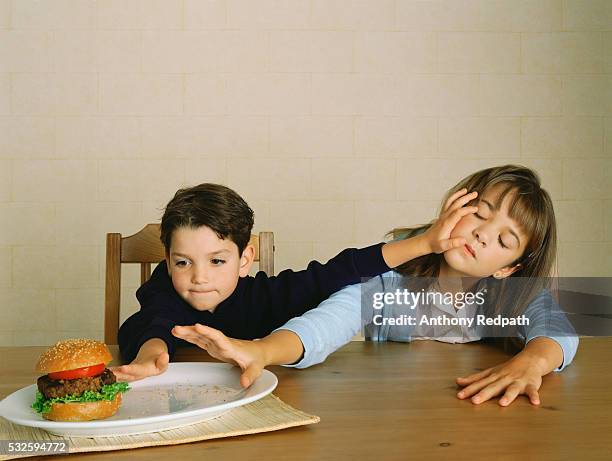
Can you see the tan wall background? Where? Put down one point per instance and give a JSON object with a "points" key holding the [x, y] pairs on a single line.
{"points": [[335, 119]]}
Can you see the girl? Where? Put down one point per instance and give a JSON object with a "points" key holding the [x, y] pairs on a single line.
{"points": [[495, 226]]}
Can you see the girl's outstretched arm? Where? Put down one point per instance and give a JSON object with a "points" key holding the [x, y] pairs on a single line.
{"points": [[522, 374], [551, 344], [301, 342], [278, 348]]}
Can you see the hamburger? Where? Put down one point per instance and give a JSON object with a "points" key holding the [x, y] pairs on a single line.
{"points": [[77, 385]]}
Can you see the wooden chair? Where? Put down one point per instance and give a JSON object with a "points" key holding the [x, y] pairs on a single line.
{"points": [[145, 248]]}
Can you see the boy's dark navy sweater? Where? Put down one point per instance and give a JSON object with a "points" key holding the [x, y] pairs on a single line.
{"points": [[257, 306]]}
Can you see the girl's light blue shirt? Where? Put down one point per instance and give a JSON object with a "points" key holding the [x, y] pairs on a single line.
{"points": [[336, 320]]}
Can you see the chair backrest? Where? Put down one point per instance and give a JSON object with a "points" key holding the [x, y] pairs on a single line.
{"points": [[145, 248]]}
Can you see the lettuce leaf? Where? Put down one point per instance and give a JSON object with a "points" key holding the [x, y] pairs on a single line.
{"points": [[107, 392]]}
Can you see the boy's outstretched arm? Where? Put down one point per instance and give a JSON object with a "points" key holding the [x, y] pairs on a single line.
{"points": [[400, 251], [278, 348], [437, 238], [152, 360]]}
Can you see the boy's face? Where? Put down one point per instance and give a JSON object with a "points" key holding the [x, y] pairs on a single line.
{"points": [[204, 268]]}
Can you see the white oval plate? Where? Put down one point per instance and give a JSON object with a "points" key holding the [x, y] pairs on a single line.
{"points": [[187, 393]]}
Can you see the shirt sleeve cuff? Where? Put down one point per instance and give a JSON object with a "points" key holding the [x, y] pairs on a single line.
{"points": [[308, 343], [568, 345], [161, 333], [370, 261]]}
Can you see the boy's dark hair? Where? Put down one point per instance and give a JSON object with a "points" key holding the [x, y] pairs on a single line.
{"points": [[212, 205]]}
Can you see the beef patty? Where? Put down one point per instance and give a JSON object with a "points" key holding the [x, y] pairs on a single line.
{"points": [[52, 388]]}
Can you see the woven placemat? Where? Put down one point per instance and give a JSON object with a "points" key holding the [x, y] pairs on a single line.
{"points": [[264, 415]]}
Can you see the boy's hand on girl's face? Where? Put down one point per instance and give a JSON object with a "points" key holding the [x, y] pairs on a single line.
{"points": [[142, 368], [438, 235], [517, 376], [248, 355]]}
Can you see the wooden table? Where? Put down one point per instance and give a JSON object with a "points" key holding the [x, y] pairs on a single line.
{"points": [[397, 401]]}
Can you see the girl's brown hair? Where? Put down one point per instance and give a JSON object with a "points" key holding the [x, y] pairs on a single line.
{"points": [[532, 209]]}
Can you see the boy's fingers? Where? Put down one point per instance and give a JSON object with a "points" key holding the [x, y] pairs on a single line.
{"points": [[458, 242], [162, 361], [120, 372], [453, 243], [461, 201], [123, 376], [459, 213], [450, 223], [453, 197]]}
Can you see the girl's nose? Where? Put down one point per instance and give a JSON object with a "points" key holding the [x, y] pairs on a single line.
{"points": [[480, 236]]}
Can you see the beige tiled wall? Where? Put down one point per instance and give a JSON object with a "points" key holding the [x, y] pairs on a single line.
{"points": [[336, 119]]}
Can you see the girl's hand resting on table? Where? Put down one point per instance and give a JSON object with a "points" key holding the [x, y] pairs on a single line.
{"points": [[520, 375], [438, 236], [142, 367], [245, 354]]}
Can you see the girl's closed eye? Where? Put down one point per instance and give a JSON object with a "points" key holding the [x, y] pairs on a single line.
{"points": [[217, 262], [482, 211], [499, 239]]}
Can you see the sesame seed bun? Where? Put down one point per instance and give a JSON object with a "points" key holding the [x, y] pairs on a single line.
{"points": [[83, 411], [73, 353]]}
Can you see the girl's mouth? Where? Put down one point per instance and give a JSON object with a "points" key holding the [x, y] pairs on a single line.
{"points": [[470, 250]]}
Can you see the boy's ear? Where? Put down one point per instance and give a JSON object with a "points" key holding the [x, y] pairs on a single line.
{"points": [[246, 260], [506, 271]]}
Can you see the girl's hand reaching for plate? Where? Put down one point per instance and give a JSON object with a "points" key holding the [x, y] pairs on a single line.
{"points": [[438, 236], [245, 354]]}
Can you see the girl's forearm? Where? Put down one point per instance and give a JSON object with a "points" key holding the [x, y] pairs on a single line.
{"points": [[281, 347], [401, 251], [546, 354]]}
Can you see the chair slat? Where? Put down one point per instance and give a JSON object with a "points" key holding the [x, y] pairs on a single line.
{"points": [[112, 291], [143, 246]]}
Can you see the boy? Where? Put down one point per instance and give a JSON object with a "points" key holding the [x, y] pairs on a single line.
{"points": [[204, 279]]}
